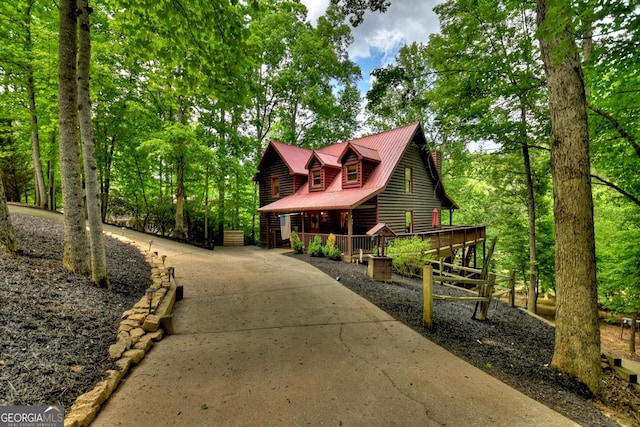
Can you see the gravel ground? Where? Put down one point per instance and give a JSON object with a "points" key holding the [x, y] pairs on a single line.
{"points": [[56, 326], [510, 345]]}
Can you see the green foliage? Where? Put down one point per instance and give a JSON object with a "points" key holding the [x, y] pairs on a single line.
{"points": [[331, 250], [296, 243], [315, 247], [618, 255], [409, 255]]}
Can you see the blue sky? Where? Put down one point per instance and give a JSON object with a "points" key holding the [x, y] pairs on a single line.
{"points": [[379, 38]]}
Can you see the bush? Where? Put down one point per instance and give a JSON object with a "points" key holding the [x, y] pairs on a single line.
{"points": [[296, 243], [331, 250], [315, 247], [334, 254], [409, 255]]}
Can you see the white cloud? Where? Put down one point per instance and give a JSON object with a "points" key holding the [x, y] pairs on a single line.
{"points": [[316, 9], [405, 21], [379, 38]]}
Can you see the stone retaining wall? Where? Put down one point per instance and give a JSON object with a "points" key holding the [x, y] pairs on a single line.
{"points": [[136, 334]]}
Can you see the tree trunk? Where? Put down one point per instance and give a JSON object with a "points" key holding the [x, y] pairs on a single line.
{"points": [[206, 205], [532, 296], [7, 235], [577, 343], [40, 189], [75, 238], [221, 207], [106, 178], [99, 273], [179, 230], [632, 337]]}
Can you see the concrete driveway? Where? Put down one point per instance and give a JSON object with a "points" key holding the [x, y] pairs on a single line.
{"points": [[262, 339]]}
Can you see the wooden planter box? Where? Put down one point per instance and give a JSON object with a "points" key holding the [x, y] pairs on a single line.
{"points": [[380, 268]]}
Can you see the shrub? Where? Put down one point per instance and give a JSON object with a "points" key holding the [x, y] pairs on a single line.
{"points": [[409, 255], [296, 243], [315, 247], [331, 250], [334, 254]]}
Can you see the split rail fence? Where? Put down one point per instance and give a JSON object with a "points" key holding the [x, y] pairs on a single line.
{"points": [[488, 285]]}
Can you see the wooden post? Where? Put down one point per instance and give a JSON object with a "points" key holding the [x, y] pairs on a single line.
{"points": [[512, 288], [427, 285], [487, 292]]}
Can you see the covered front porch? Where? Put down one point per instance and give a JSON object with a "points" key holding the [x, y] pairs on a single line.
{"points": [[445, 242], [351, 225]]}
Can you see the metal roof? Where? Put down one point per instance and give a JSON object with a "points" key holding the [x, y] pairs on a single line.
{"points": [[387, 146], [325, 159], [295, 157], [363, 152]]}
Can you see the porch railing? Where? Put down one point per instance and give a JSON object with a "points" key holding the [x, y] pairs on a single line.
{"points": [[444, 238]]}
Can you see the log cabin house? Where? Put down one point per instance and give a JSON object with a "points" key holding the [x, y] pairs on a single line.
{"points": [[349, 188]]}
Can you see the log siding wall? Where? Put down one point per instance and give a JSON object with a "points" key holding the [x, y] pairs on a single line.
{"points": [[275, 167], [394, 202]]}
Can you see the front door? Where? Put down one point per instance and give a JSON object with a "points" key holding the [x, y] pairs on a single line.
{"points": [[314, 222]]}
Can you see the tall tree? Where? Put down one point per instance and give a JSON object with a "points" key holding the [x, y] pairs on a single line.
{"points": [[577, 345], [99, 273], [7, 235], [40, 189], [75, 240]]}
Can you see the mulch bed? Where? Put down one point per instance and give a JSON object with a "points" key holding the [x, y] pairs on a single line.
{"points": [[510, 345], [56, 326]]}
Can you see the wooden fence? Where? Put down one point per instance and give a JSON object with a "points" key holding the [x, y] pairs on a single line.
{"points": [[487, 288]]}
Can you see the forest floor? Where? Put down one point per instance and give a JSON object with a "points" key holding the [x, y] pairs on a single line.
{"points": [[56, 327], [510, 345]]}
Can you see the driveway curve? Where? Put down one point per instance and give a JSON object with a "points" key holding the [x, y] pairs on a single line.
{"points": [[262, 339]]}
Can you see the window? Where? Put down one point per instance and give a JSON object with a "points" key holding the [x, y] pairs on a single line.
{"points": [[408, 180], [408, 221], [316, 179], [275, 187], [352, 173]]}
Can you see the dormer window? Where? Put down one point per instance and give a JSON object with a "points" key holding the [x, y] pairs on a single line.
{"points": [[351, 175], [316, 179]]}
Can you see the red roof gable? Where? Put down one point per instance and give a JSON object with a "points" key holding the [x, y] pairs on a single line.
{"points": [[324, 159], [294, 157], [362, 152], [386, 148]]}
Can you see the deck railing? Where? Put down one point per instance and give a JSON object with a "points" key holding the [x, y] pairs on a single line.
{"points": [[443, 238]]}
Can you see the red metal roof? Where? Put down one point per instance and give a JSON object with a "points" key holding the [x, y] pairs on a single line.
{"points": [[387, 146], [363, 152], [295, 157], [325, 159]]}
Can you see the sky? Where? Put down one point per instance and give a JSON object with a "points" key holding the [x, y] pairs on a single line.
{"points": [[378, 39]]}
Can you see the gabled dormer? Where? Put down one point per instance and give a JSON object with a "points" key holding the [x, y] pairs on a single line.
{"points": [[357, 163], [323, 168]]}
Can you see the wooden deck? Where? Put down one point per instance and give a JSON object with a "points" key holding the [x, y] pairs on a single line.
{"points": [[444, 241]]}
